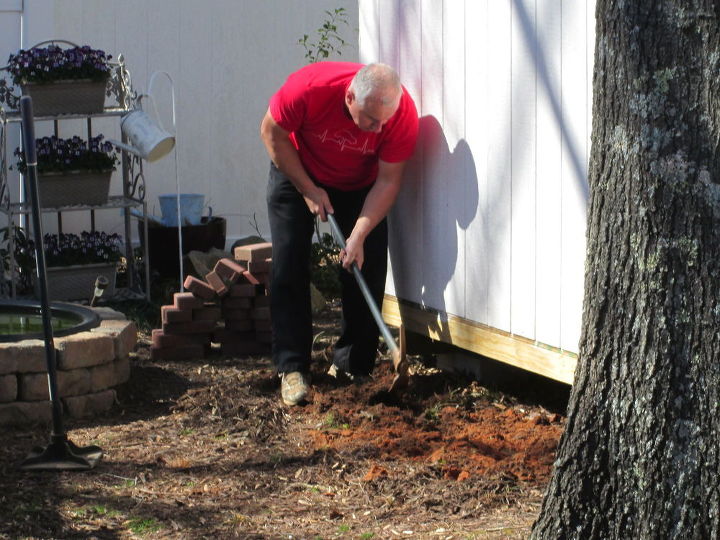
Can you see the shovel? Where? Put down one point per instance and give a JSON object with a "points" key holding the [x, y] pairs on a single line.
{"points": [[398, 357]]}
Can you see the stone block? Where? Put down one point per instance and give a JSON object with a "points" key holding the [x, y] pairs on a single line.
{"points": [[84, 349], [33, 387], [102, 377], [75, 382], [123, 334], [253, 252], [90, 404], [122, 370], [187, 301], [109, 314], [199, 288], [8, 388], [21, 413], [27, 356]]}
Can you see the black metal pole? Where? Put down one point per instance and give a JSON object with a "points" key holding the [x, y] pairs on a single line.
{"points": [[28, 131], [60, 454]]}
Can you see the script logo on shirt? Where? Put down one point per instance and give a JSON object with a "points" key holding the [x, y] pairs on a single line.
{"points": [[346, 141]]}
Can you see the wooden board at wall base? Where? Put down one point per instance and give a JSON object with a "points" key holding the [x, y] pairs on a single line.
{"points": [[469, 335]]}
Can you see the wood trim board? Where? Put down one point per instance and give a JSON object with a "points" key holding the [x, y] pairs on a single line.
{"points": [[481, 339]]}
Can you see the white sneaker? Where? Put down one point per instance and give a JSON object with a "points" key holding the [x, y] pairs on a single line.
{"points": [[294, 387]]}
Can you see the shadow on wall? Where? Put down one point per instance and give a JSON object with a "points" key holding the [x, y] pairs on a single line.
{"points": [[438, 202]]}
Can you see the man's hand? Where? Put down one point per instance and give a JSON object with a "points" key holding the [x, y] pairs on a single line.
{"points": [[318, 202], [354, 252]]}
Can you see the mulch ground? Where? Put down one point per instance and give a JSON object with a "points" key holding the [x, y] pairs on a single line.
{"points": [[205, 449]]}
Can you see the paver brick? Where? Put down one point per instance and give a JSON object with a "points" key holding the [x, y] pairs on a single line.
{"points": [[229, 270], [171, 314], [261, 313], [260, 267], [102, 377], [261, 301], [187, 301], [263, 325], [237, 302], [236, 314], [213, 313], [245, 290], [253, 252], [192, 327], [239, 325], [161, 340], [217, 283], [263, 337], [199, 288]]}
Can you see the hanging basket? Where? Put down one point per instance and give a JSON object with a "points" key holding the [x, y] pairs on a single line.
{"points": [[82, 96], [82, 188], [77, 282]]}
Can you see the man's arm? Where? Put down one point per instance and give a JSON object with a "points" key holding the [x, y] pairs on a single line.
{"points": [[378, 203], [285, 157]]}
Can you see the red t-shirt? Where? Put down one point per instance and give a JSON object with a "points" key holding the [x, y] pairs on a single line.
{"points": [[333, 150]]}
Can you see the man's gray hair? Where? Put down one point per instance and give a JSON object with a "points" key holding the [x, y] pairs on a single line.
{"points": [[376, 81]]}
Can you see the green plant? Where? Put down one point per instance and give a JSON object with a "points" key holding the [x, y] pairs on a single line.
{"points": [[329, 39], [324, 266], [144, 526], [23, 254], [86, 248]]}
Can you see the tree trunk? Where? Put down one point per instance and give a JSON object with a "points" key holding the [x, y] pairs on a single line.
{"points": [[640, 457]]}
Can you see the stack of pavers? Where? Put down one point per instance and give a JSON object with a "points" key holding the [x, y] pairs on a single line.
{"points": [[230, 307]]}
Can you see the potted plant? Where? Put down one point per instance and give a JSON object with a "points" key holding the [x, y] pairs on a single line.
{"points": [[75, 261], [72, 171], [62, 80]]}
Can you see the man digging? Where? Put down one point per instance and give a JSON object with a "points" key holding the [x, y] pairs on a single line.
{"points": [[338, 135]]}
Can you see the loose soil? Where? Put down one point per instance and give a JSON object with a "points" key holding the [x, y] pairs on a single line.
{"points": [[205, 449]]}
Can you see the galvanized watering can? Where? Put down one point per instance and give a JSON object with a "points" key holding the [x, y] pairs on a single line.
{"points": [[147, 140]]}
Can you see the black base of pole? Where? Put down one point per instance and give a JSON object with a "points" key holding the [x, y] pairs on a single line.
{"points": [[62, 455]]}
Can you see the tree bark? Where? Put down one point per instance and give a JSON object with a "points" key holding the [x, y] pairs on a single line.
{"points": [[640, 457]]}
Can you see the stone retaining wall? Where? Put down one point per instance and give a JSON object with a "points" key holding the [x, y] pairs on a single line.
{"points": [[89, 365]]}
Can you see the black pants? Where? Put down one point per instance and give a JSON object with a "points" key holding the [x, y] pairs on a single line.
{"points": [[292, 226]]}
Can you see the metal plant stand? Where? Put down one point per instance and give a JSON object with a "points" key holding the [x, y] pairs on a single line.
{"points": [[133, 180]]}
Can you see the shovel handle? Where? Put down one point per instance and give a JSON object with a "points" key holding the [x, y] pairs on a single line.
{"points": [[387, 336]]}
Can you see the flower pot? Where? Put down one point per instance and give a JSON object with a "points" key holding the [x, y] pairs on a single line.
{"points": [[82, 96], [78, 281], [70, 188]]}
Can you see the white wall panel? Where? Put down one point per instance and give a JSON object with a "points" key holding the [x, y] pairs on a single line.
{"points": [[523, 125], [498, 179], [478, 234], [575, 103], [495, 231], [549, 171]]}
